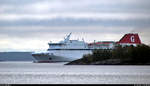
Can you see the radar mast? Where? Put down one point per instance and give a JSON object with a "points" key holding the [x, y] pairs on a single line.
{"points": [[67, 38]]}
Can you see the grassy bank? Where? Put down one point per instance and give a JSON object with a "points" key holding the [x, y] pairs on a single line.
{"points": [[128, 55]]}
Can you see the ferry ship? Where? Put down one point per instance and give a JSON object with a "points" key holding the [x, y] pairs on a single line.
{"points": [[69, 50]]}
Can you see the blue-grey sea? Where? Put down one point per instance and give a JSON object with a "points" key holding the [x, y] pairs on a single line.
{"points": [[26, 72]]}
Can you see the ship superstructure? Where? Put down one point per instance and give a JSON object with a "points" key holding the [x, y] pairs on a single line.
{"points": [[69, 50], [66, 50], [68, 44]]}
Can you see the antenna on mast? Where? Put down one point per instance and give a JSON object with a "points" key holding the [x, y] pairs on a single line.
{"points": [[82, 39], [68, 37]]}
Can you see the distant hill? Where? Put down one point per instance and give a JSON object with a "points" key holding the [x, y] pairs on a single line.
{"points": [[16, 56]]}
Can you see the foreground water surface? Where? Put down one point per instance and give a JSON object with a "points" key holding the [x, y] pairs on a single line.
{"points": [[20, 72]]}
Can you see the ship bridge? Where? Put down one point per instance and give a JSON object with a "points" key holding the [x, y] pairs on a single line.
{"points": [[68, 44]]}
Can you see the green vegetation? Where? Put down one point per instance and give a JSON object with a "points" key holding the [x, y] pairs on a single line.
{"points": [[119, 55]]}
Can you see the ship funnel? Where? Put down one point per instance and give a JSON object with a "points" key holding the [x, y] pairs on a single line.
{"points": [[130, 38]]}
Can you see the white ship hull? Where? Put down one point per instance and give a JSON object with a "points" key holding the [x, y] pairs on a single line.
{"points": [[60, 55]]}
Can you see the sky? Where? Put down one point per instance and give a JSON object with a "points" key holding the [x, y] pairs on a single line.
{"points": [[28, 25]]}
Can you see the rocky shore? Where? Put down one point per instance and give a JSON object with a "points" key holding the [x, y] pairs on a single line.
{"points": [[128, 55], [106, 62]]}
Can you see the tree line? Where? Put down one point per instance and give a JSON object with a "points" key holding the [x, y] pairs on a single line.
{"points": [[126, 54]]}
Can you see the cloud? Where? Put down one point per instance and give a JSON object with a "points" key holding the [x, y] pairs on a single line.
{"points": [[30, 24], [59, 6], [103, 16], [36, 38], [31, 38], [77, 22], [50, 32], [18, 44]]}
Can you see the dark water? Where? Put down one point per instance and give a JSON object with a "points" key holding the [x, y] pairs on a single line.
{"points": [[16, 56]]}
